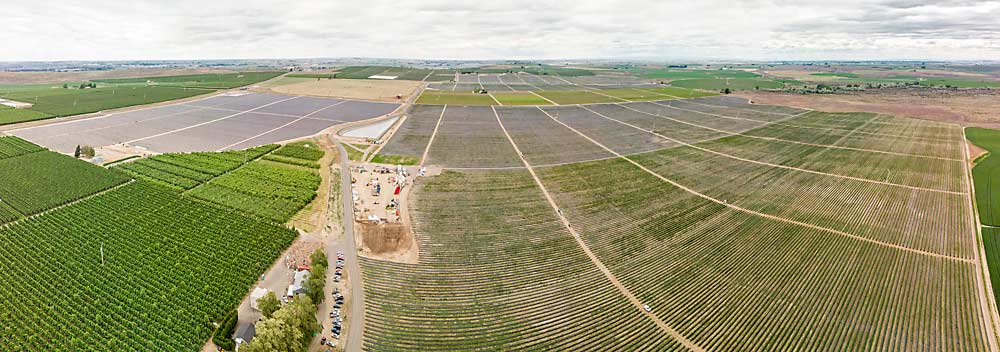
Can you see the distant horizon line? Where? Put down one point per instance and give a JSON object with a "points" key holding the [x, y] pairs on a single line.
{"points": [[567, 60]]}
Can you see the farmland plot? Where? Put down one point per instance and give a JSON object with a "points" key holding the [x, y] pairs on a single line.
{"points": [[66, 102], [170, 267], [497, 271], [734, 112], [938, 174], [275, 188], [882, 125], [274, 191], [14, 146], [846, 138], [578, 97], [732, 125], [35, 182], [632, 94], [413, 135], [519, 98], [543, 141], [729, 280], [470, 137], [628, 113], [986, 176], [930, 221], [618, 137]]}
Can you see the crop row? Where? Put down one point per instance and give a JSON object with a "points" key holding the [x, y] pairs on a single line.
{"points": [[884, 166], [918, 219], [139, 268], [35, 182], [728, 280], [14, 146], [497, 271], [291, 161], [208, 80], [271, 190], [471, 137], [939, 174], [186, 171], [413, 135], [544, 141], [300, 152]]}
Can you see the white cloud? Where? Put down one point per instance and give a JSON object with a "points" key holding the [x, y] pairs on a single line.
{"points": [[437, 29]]}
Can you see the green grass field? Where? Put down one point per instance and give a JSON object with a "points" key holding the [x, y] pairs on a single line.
{"points": [[52, 100], [991, 243], [11, 115], [986, 174], [431, 97], [356, 153], [395, 159], [519, 98], [219, 81], [632, 94], [67, 102], [718, 84], [577, 97]]}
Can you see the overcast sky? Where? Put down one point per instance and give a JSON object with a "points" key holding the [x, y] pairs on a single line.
{"points": [[533, 29]]}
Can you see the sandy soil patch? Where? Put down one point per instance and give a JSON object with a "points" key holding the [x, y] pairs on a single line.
{"points": [[389, 241], [974, 151], [381, 90], [972, 107], [115, 152]]}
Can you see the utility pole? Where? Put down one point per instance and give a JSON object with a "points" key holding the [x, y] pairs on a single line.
{"points": [[102, 254]]}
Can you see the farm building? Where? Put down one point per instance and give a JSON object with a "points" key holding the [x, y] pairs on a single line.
{"points": [[297, 284]]}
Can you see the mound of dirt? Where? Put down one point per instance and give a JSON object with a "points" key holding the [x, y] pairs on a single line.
{"points": [[387, 241]]}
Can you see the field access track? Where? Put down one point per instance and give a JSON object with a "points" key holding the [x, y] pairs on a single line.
{"points": [[221, 122]]}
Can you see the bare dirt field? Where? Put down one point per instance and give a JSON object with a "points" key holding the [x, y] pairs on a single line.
{"points": [[972, 107], [47, 77], [802, 75], [353, 89], [388, 241]]}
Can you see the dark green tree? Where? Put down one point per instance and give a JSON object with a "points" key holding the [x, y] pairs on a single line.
{"points": [[268, 304]]}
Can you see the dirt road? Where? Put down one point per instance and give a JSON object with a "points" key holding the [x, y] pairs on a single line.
{"points": [[356, 325]]}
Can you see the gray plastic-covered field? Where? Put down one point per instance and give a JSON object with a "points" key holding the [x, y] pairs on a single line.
{"points": [[215, 123]]}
